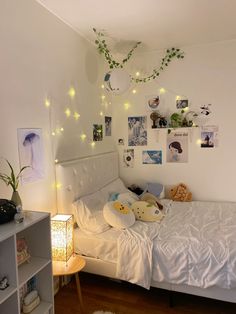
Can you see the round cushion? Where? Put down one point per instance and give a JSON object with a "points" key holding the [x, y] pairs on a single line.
{"points": [[118, 215], [146, 212]]}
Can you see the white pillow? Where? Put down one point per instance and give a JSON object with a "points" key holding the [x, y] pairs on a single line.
{"points": [[116, 186], [127, 198], [118, 215], [88, 213]]}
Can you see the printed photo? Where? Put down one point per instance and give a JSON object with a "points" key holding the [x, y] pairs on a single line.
{"points": [[97, 132], [30, 146], [181, 103], [121, 141], [152, 157], [153, 101], [108, 126], [177, 147], [137, 131], [209, 136], [128, 158]]}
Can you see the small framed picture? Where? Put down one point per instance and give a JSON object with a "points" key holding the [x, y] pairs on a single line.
{"points": [[152, 101], [181, 103]]}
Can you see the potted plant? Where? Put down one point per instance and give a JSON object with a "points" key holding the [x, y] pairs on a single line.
{"points": [[13, 181]]}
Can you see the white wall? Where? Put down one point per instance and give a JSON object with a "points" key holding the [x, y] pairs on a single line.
{"points": [[206, 75], [42, 57]]}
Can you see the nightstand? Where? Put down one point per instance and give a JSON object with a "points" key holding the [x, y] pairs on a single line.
{"points": [[74, 265]]}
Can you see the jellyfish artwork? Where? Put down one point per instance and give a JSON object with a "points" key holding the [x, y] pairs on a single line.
{"points": [[29, 140]]}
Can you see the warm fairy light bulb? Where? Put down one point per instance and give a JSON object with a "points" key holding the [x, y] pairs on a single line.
{"points": [[56, 161], [47, 103], [126, 105], [198, 141], [101, 113], [83, 136], [92, 143], [134, 91], [162, 90], [53, 133], [102, 86], [71, 92], [137, 73], [103, 97], [61, 129], [67, 112], [186, 109], [57, 185], [178, 97], [76, 115]]}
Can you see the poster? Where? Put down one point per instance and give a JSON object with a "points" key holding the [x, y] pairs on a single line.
{"points": [[152, 157], [177, 147], [137, 131], [128, 158], [209, 136], [30, 146], [97, 132], [108, 126]]}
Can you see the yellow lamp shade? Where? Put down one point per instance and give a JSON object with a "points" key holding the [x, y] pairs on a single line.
{"points": [[62, 237]]}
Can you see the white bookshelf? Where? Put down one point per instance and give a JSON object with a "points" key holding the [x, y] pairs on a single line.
{"points": [[35, 229]]}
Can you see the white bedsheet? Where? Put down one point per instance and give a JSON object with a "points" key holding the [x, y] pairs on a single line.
{"points": [[102, 245], [196, 245], [135, 246]]}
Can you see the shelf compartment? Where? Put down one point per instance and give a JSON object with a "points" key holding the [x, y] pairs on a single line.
{"points": [[43, 308], [28, 270], [4, 294]]}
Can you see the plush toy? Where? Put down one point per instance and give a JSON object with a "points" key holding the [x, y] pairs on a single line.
{"points": [[151, 199], [181, 193], [146, 212]]}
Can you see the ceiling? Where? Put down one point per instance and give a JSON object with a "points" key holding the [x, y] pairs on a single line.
{"points": [[157, 24]]}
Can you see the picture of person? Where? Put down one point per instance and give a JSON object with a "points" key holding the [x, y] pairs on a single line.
{"points": [[108, 126], [181, 103], [175, 150], [97, 132], [137, 131], [207, 139], [154, 102]]}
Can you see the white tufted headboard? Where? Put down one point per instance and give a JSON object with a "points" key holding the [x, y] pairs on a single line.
{"points": [[84, 176]]}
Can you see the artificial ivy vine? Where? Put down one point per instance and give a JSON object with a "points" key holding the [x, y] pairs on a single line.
{"points": [[102, 47]]}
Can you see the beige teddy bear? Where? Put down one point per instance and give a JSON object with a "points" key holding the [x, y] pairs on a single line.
{"points": [[181, 193]]}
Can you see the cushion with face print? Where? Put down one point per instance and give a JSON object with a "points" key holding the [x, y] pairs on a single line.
{"points": [[146, 211]]}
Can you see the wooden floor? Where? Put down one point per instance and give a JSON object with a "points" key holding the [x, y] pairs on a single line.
{"points": [[123, 298]]}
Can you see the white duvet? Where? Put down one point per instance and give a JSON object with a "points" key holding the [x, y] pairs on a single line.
{"points": [[195, 244]]}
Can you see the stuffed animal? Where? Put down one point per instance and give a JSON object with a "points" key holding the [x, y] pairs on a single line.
{"points": [[151, 199], [146, 212], [180, 193]]}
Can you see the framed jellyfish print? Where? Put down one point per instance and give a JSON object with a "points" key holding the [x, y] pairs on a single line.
{"points": [[30, 146]]}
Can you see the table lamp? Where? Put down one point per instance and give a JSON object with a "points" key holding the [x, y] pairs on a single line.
{"points": [[62, 237]]}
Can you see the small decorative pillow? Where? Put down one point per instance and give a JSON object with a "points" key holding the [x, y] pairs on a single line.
{"points": [[118, 215], [146, 212]]}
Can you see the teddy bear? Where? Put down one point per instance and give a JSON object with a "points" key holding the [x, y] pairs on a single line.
{"points": [[180, 193]]}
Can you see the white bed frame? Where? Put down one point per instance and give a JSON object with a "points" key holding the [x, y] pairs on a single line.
{"points": [[87, 175]]}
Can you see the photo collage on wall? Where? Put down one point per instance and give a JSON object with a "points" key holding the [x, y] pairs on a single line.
{"points": [[98, 129], [177, 136]]}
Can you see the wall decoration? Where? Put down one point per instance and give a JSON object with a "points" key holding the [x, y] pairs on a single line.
{"points": [[97, 132], [177, 147], [152, 102], [30, 146], [121, 141], [128, 158], [181, 103], [103, 49], [152, 157], [137, 131], [209, 136], [108, 121]]}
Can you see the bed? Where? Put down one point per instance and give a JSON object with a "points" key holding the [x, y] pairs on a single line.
{"points": [[192, 250]]}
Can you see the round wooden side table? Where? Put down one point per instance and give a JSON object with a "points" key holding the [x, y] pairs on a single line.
{"points": [[73, 266]]}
